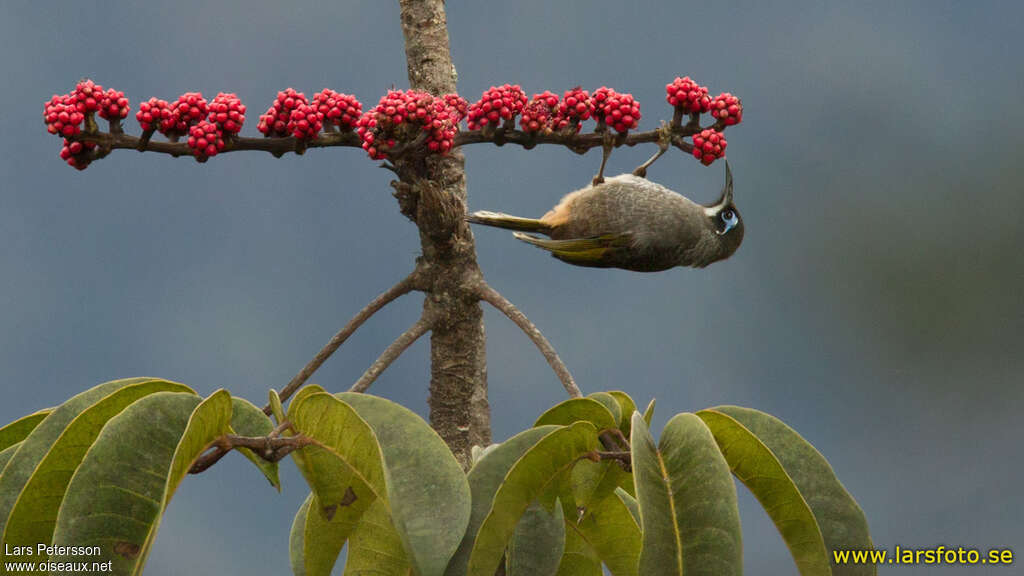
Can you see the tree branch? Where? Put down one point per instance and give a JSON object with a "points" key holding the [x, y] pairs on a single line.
{"points": [[404, 286], [269, 448], [390, 354], [494, 298]]}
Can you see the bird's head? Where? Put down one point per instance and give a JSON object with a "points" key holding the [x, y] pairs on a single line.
{"points": [[725, 220]]}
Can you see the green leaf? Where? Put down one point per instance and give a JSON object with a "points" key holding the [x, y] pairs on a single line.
{"points": [[345, 464], [34, 514], [579, 558], [610, 403], [537, 472], [16, 431], [484, 479], [35, 446], [118, 494], [841, 521], [631, 504], [649, 412], [426, 486], [248, 420], [591, 482], [576, 410], [613, 533], [375, 547], [687, 501], [276, 408], [537, 543], [315, 542], [626, 407]]}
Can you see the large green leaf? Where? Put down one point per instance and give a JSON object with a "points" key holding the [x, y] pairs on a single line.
{"points": [[576, 410], [248, 420], [16, 431], [484, 479], [345, 464], [426, 486], [687, 501], [34, 514], [538, 471], [649, 412], [538, 542], [6, 454], [755, 465], [117, 496], [841, 521], [613, 533], [375, 547], [35, 446], [315, 542], [579, 558]]}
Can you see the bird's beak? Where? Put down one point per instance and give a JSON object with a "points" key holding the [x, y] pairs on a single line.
{"points": [[726, 198]]}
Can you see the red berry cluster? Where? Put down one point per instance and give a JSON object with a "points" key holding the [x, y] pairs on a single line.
{"points": [[62, 116], [87, 96], [688, 96], [187, 111], [336, 109], [498, 104], [539, 114], [708, 146], [227, 112], [618, 111], [575, 107], [205, 139], [154, 114], [458, 105], [275, 121], [78, 155], [113, 105], [727, 109], [401, 115]]}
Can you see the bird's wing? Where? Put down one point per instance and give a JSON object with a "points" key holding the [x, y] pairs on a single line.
{"points": [[591, 251]]}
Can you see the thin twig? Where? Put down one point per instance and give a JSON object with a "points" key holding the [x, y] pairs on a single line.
{"points": [[622, 457], [390, 354], [494, 298], [404, 286]]}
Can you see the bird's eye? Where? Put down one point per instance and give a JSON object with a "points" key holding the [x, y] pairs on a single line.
{"points": [[730, 220]]}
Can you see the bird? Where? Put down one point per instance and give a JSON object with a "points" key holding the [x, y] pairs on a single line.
{"points": [[632, 223]]}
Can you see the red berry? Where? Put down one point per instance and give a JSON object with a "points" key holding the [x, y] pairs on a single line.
{"points": [[78, 155], [727, 109], [688, 96], [539, 114], [228, 113], [458, 106], [575, 107], [337, 109], [275, 121], [154, 114], [205, 139], [187, 111], [497, 105], [61, 115], [113, 105], [709, 146], [618, 111], [304, 122]]}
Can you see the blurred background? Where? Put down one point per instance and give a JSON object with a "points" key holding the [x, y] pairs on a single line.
{"points": [[876, 304]]}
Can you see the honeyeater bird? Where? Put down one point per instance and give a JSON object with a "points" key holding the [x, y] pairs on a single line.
{"points": [[632, 223]]}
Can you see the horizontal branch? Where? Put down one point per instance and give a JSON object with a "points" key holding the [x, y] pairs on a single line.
{"points": [[577, 142], [494, 298]]}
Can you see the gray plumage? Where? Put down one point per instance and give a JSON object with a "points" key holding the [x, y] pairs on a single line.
{"points": [[632, 223]]}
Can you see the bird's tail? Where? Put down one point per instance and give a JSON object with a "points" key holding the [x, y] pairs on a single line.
{"points": [[499, 220]]}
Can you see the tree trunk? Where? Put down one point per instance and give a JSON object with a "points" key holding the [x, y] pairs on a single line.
{"points": [[432, 193]]}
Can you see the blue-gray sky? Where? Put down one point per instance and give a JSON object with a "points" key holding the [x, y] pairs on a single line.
{"points": [[876, 303]]}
